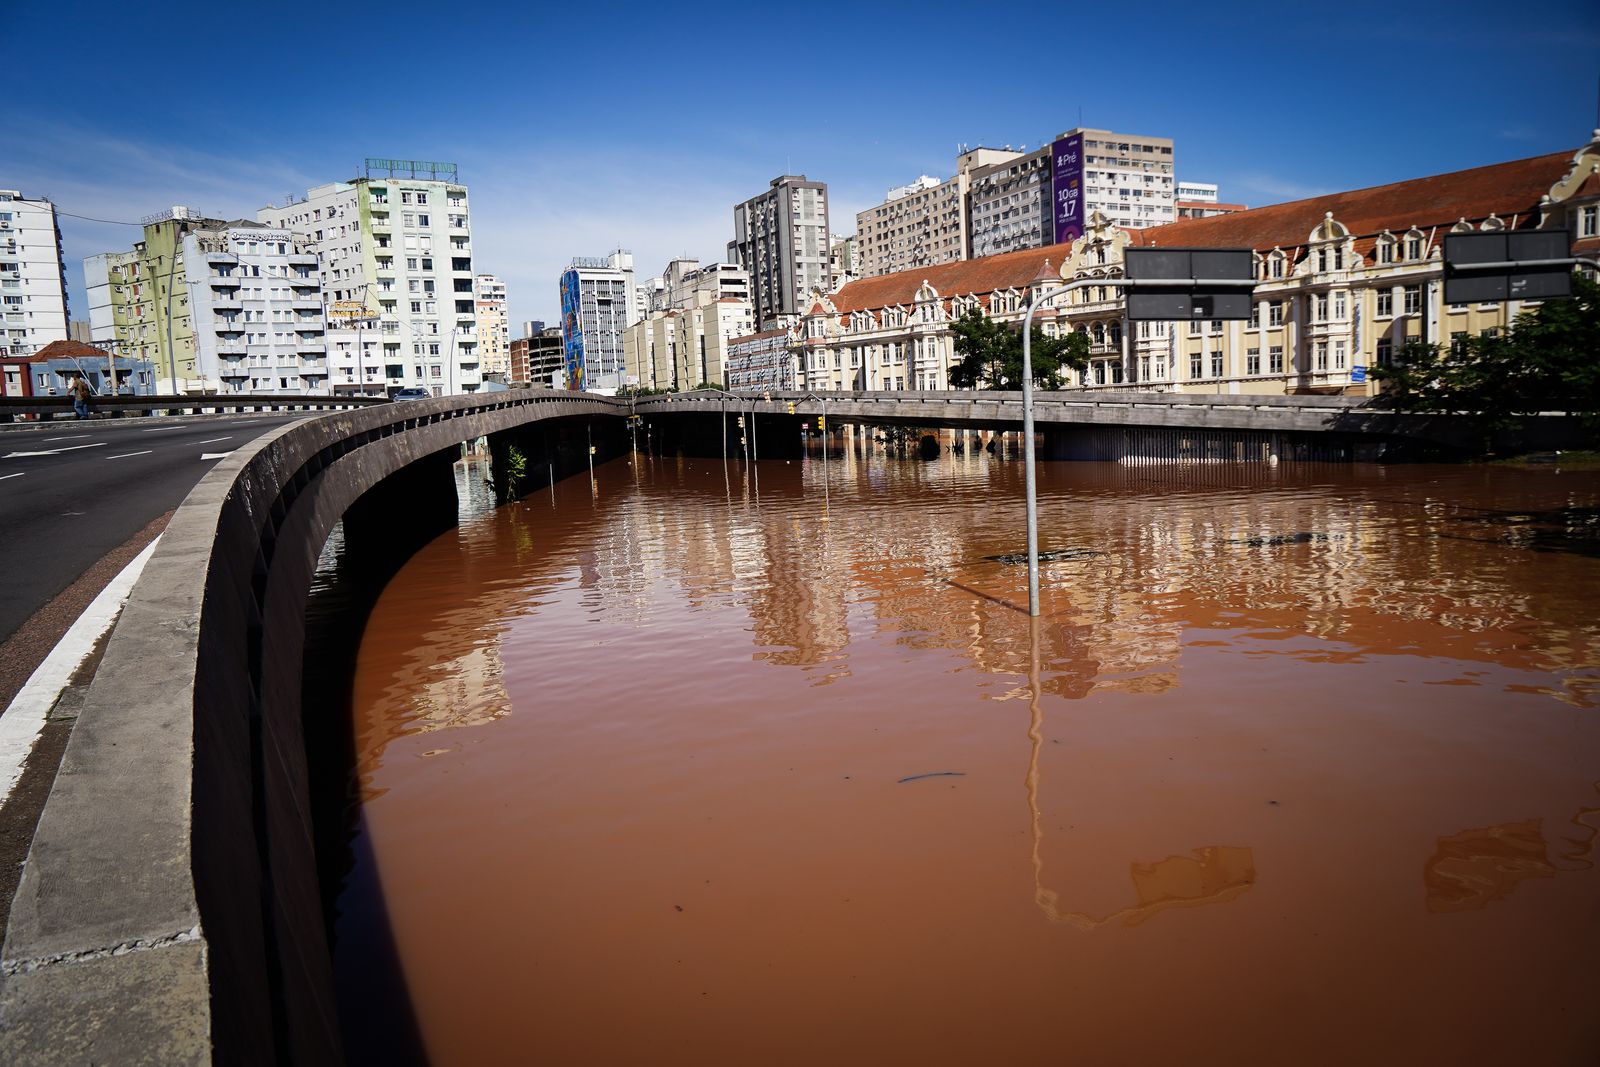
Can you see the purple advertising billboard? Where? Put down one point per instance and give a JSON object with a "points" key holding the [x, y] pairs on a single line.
{"points": [[1066, 171]]}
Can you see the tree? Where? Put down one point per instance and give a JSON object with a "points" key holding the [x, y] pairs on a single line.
{"points": [[991, 354], [1547, 360]]}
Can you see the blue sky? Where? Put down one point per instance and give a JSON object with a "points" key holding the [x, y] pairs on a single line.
{"points": [[582, 127]]}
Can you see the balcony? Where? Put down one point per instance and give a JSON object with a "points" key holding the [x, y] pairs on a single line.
{"points": [[309, 326], [226, 303], [314, 368], [303, 259], [223, 281], [231, 348], [311, 345], [231, 325], [305, 303], [303, 283], [234, 369]]}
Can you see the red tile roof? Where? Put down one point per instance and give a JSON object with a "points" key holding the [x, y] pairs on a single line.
{"points": [[1503, 189], [67, 350], [1009, 270]]}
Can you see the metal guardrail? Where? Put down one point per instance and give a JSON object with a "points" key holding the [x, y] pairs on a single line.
{"points": [[45, 408]]}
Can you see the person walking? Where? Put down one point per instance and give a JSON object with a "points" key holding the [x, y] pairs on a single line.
{"points": [[80, 397]]}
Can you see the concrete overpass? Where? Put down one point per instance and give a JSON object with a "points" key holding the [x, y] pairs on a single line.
{"points": [[169, 908]]}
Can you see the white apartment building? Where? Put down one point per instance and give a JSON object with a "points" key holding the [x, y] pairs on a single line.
{"points": [[395, 251], [598, 303], [685, 283], [1126, 177], [33, 294], [255, 305], [917, 225], [494, 331], [1197, 192], [781, 238], [680, 348]]}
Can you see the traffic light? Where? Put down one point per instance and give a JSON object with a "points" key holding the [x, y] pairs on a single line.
{"points": [[791, 407], [822, 423]]}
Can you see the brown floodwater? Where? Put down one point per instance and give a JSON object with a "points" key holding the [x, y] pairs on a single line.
{"points": [[1300, 765]]}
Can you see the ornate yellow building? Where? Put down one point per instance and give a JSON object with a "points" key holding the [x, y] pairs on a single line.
{"points": [[1345, 280]]}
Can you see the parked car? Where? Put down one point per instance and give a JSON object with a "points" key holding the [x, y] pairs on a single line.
{"points": [[411, 393]]}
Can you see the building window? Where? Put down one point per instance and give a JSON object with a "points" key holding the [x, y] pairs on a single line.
{"points": [[1275, 359], [1458, 342], [1320, 314], [1194, 329], [1255, 316], [1386, 351], [1339, 305], [1322, 356], [1589, 221], [1413, 294], [1413, 247], [1216, 363], [1194, 366], [1385, 303], [1275, 313], [1338, 355], [1252, 361]]}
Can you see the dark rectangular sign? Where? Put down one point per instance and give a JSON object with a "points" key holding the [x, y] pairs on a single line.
{"points": [[1200, 280], [1524, 271]]}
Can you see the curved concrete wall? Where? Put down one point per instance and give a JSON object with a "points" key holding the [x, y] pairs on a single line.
{"points": [[168, 911]]}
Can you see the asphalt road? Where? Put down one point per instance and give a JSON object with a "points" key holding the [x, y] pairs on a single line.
{"points": [[72, 491]]}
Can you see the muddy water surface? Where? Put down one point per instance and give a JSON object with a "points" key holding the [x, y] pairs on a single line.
{"points": [[1299, 766]]}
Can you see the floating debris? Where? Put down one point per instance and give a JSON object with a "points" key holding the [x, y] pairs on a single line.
{"points": [[932, 774], [1280, 539], [1053, 556]]}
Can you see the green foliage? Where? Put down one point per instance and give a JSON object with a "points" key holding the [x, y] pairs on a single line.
{"points": [[991, 355], [711, 385], [1548, 360], [516, 470]]}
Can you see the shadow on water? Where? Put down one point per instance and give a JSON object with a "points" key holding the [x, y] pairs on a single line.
{"points": [[342, 596]]}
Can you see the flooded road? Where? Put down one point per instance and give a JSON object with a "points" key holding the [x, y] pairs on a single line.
{"points": [[1301, 765]]}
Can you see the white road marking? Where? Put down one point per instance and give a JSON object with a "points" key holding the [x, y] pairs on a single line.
{"points": [[69, 437], [125, 455], [25, 717], [214, 440], [215, 455], [19, 474], [158, 429], [50, 451]]}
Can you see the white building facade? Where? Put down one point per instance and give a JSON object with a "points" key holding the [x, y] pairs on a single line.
{"points": [[255, 303], [494, 330], [395, 252], [33, 295], [1126, 177], [782, 239]]}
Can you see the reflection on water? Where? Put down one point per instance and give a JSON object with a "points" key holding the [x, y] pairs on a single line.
{"points": [[1475, 868], [719, 770]]}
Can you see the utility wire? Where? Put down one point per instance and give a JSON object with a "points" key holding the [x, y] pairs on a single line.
{"points": [[108, 222]]}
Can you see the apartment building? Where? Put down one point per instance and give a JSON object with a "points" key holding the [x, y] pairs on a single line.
{"points": [[494, 331], [682, 347], [924, 223], [760, 362], [537, 356], [33, 291], [1345, 280], [256, 310], [1045, 196], [781, 238], [598, 303], [139, 300], [685, 283], [1198, 200], [395, 250]]}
